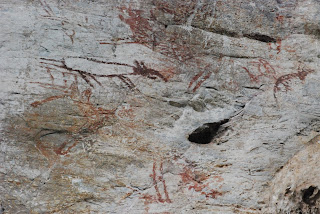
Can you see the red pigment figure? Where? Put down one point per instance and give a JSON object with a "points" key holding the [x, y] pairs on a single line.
{"points": [[203, 75], [52, 16], [139, 69], [158, 198], [266, 70], [285, 79], [93, 119], [199, 83], [277, 44], [189, 178]]}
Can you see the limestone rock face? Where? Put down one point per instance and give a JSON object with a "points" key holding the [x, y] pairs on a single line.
{"points": [[159, 106]]}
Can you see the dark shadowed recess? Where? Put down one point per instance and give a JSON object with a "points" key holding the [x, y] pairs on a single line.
{"points": [[205, 133], [260, 37], [310, 195]]}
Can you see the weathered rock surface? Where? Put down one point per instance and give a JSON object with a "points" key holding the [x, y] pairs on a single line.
{"points": [[160, 106]]}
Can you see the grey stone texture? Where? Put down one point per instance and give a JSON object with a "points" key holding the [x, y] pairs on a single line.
{"points": [[98, 99]]}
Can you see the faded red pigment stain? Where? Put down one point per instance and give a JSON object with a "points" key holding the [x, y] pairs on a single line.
{"points": [[231, 85], [148, 31], [265, 69], [199, 83], [126, 113], [181, 10], [172, 44], [175, 51], [59, 151], [277, 46], [188, 178], [280, 18], [50, 73], [46, 152]]}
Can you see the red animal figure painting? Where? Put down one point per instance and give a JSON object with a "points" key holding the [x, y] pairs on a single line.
{"points": [[286, 79], [138, 69], [266, 70]]}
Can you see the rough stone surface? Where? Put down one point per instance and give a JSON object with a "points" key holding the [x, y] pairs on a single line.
{"points": [[98, 99]]}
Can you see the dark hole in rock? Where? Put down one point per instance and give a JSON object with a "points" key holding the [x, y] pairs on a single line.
{"points": [[260, 37], [310, 195], [205, 133]]}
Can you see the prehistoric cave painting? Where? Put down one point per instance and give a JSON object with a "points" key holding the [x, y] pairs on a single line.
{"points": [[266, 70], [278, 46], [67, 90], [138, 69], [51, 15], [46, 7], [284, 80], [199, 183], [140, 26], [159, 184], [156, 37], [204, 74], [91, 119], [191, 180], [181, 10], [275, 46], [147, 30]]}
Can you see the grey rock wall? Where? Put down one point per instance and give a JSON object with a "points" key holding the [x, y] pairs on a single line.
{"points": [[171, 106]]}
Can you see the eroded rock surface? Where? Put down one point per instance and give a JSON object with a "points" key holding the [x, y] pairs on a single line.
{"points": [[99, 100]]}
